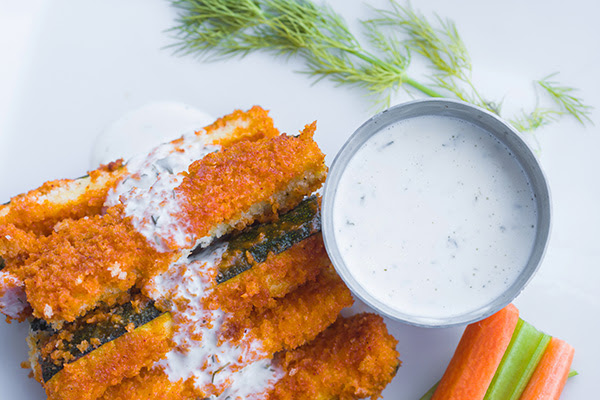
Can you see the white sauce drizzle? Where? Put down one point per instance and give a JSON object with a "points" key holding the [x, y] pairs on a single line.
{"points": [[148, 191], [434, 217], [216, 367], [137, 131], [13, 301]]}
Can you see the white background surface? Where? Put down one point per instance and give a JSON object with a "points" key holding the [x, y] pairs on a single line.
{"points": [[69, 68]]}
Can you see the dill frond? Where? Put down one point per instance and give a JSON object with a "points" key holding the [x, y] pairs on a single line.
{"points": [[216, 29], [530, 121], [219, 29], [564, 98], [442, 46]]}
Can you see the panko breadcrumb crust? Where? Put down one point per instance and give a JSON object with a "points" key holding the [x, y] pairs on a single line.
{"points": [[275, 174], [354, 358], [28, 218], [39, 210], [278, 275], [88, 377], [68, 254], [91, 260], [284, 323]]}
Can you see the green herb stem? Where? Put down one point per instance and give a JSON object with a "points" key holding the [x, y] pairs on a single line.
{"points": [[422, 88], [216, 29]]}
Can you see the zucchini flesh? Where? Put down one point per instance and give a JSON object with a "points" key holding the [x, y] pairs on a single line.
{"points": [[253, 245], [106, 330]]}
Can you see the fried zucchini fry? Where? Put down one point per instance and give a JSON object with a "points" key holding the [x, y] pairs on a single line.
{"points": [[354, 358], [250, 181], [298, 317], [88, 377], [93, 260], [256, 243], [39, 210], [52, 349], [312, 298], [28, 218], [260, 286], [275, 257]]}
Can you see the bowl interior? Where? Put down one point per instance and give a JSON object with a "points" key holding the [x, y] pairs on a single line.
{"points": [[474, 115]]}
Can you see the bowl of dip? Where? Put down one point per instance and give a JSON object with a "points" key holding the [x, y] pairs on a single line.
{"points": [[436, 213]]}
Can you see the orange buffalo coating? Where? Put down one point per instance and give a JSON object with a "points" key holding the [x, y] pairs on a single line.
{"points": [[276, 173], [74, 255], [32, 213], [297, 318], [353, 359], [278, 275], [88, 377], [91, 260], [85, 262], [28, 218]]}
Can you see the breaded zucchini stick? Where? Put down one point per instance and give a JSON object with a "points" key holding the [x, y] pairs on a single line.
{"points": [[352, 359], [39, 210], [299, 298], [314, 305], [51, 350], [296, 318], [93, 260], [276, 257], [259, 287], [28, 218], [88, 377]]}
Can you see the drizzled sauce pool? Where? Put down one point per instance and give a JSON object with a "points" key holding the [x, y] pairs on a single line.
{"points": [[434, 217]]}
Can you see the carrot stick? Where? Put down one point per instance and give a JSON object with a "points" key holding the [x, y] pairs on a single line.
{"points": [[477, 357], [551, 374]]}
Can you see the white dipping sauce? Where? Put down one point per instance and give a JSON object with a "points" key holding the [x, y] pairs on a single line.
{"points": [[434, 217], [140, 130]]}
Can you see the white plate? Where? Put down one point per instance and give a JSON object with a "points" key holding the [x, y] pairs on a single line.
{"points": [[93, 61]]}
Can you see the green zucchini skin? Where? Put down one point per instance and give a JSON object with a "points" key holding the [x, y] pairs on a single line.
{"points": [[38, 325], [105, 331], [253, 245], [244, 250], [2, 263]]}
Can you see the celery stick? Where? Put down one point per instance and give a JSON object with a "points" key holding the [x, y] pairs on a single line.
{"points": [[520, 359], [573, 373], [429, 394]]}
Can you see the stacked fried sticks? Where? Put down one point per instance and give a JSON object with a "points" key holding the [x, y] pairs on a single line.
{"points": [[91, 281]]}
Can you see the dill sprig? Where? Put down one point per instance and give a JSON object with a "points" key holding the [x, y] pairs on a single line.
{"points": [[218, 29], [564, 98], [565, 103], [441, 46]]}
